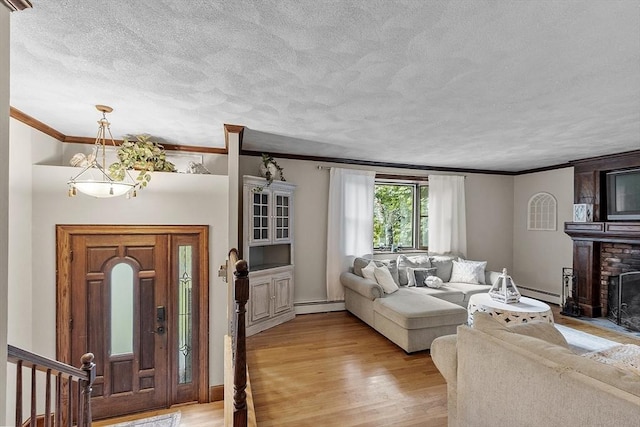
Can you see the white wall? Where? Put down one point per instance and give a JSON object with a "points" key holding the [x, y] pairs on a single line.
{"points": [[489, 220], [4, 196], [539, 256]]}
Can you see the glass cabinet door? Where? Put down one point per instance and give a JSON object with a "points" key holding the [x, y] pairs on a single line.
{"points": [[260, 217], [282, 215]]}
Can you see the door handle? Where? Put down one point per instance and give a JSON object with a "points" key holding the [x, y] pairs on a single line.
{"points": [[161, 313]]}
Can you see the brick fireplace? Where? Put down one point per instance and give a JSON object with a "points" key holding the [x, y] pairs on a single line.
{"points": [[607, 246], [616, 258], [601, 250]]}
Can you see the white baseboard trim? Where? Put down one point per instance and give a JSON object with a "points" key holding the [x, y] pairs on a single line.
{"points": [[539, 294], [318, 307]]}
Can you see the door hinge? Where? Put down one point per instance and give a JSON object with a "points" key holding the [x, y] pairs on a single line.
{"points": [[71, 324], [71, 256]]}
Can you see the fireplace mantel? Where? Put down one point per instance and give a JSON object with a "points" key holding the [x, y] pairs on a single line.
{"points": [[613, 232], [590, 186], [587, 240]]}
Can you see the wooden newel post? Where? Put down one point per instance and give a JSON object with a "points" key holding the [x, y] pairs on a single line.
{"points": [[90, 369], [240, 366]]}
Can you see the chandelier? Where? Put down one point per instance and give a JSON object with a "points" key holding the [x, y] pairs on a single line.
{"points": [[94, 179]]}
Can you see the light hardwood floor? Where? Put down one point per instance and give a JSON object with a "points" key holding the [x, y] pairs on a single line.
{"points": [[332, 369]]}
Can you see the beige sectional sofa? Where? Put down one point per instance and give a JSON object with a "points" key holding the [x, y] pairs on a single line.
{"points": [[411, 317], [527, 376]]}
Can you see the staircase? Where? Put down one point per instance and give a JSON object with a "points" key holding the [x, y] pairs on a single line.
{"points": [[238, 402], [70, 404]]}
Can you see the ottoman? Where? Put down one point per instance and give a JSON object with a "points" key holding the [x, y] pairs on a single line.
{"points": [[413, 321]]}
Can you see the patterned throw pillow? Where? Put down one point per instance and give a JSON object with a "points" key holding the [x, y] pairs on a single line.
{"points": [[481, 266], [433, 282], [464, 272]]}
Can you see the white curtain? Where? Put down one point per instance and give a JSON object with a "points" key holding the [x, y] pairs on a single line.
{"points": [[350, 223], [447, 215]]}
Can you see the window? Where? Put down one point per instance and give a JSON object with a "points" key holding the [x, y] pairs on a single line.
{"points": [[400, 217], [542, 212]]}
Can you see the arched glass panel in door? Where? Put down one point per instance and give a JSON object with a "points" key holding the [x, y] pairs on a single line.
{"points": [[122, 296]]}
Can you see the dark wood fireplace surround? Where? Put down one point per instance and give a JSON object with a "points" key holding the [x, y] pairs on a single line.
{"points": [[590, 187]]}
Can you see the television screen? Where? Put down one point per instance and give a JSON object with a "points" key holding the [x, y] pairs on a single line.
{"points": [[623, 196]]}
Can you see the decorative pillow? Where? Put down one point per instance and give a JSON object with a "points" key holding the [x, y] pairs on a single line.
{"points": [[404, 262], [433, 282], [444, 264], [392, 265], [359, 263], [464, 272], [536, 329], [481, 267], [417, 276], [383, 276], [369, 271]]}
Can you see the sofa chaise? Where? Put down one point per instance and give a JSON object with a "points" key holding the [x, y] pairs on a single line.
{"points": [[411, 316]]}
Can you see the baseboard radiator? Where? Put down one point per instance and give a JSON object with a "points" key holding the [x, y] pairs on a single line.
{"points": [[540, 294]]}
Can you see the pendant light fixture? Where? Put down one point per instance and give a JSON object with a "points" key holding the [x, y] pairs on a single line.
{"points": [[94, 179]]}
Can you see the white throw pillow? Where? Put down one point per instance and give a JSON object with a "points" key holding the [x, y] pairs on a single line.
{"points": [[433, 282], [383, 276], [464, 272], [481, 266], [369, 271]]}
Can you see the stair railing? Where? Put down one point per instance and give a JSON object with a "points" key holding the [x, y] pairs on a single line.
{"points": [[69, 409], [239, 338]]}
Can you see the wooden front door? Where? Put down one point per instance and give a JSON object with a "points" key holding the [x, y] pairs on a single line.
{"points": [[135, 301], [119, 311]]}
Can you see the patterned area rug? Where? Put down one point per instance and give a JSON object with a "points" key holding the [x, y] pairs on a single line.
{"points": [[623, 356], [581, 342], [164, 420]]}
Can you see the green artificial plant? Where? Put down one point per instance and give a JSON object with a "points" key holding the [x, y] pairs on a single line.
{"points": [[143, 155]]}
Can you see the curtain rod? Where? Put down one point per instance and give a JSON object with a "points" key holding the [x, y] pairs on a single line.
{"points": [[391, 176]]}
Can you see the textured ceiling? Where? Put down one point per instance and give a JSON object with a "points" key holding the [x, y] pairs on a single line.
{"points": [[498, 84]]}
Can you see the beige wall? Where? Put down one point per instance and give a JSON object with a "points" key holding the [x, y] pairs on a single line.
{"points": [[39, 202], [170, 199], [4, 196], [539, 256], [489, 220], [28, 146]]}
